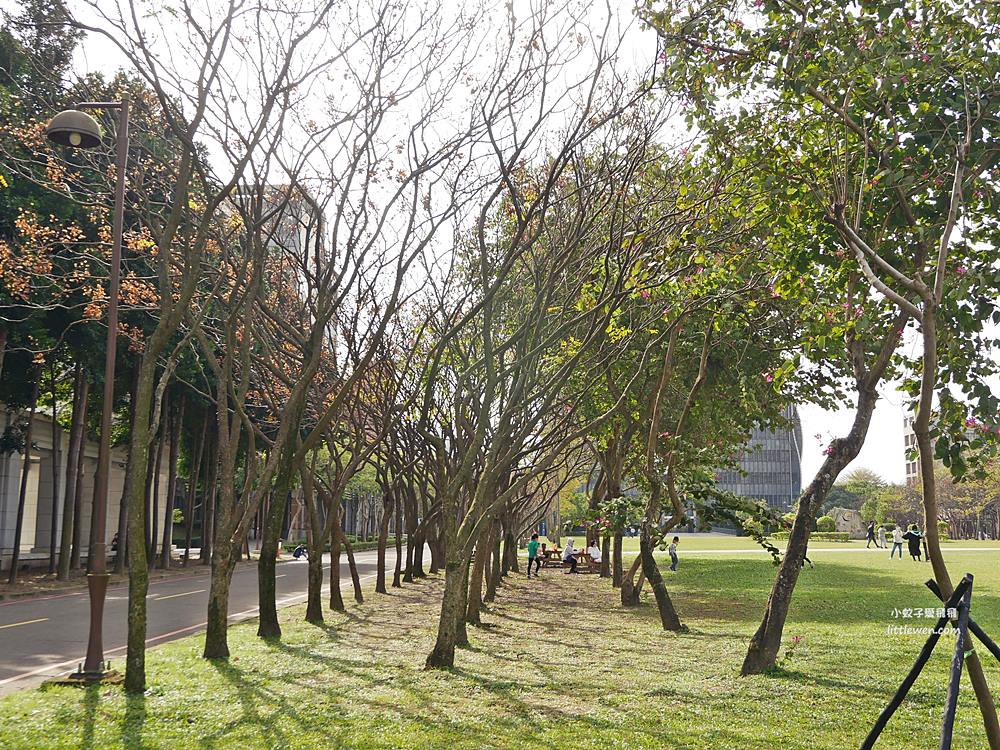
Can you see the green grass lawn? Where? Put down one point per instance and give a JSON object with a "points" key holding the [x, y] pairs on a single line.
{"points": [[712, 542], [558, 665]]}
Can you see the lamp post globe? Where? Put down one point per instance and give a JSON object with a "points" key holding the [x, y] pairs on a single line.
{"points": [[72, 127]]}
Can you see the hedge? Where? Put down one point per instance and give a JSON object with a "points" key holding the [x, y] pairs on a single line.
{"points": [[823, 536]]}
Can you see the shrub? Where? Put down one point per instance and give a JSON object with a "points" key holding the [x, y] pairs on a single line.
{"points": [[942, 529], [822, 536], [825, 524]]}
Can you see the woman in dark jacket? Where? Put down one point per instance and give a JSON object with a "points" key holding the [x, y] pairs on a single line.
{"points": [[913, 537]]}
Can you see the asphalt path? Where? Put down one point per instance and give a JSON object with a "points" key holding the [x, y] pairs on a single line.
{"points": [[43, 637]]}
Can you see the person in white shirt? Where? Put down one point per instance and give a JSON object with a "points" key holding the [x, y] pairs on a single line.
{"points": [[881, 537], [594, 551], [569, 556], [897, 542], [672, 549]]}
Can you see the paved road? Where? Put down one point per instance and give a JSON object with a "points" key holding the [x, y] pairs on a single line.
{"points": [[47, 636]]}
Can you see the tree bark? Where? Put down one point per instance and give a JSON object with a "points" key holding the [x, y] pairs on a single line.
{"points": [[353, 566], [176, 426], [616, 561], [383, 539], [921, 429], [127, 485], [217, 627], [629, 590], [763, 650], [443, 654], [475, 596], [606, 556], [194, 479], [72, 474], [398, 568], [76, 552], [208, 509], [154, 522], [493, 579], [23, 491], [668, 615], [56, 440], [336, 598]]}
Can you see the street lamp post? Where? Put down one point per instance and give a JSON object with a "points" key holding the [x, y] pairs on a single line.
{"points": [[79, 130]]}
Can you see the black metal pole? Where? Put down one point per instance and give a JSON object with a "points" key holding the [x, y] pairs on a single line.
{"points": [[911, 677], [974, 627], [957, 662]]}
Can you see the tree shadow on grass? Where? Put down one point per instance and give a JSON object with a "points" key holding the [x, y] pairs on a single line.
{"points": [[135, 719], [91, 700]]}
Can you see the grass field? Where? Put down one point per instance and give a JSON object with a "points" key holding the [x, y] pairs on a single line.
{"points": [[712, 542], [558, 665]]}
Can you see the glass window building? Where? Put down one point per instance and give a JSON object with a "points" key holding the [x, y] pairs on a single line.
{"points": [[772, 466]]}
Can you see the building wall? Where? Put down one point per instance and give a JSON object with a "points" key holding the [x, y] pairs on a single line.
{"points": [[39, 509], [772, 466]]}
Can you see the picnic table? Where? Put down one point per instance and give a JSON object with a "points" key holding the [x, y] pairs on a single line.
{"points": [[552, 558]]}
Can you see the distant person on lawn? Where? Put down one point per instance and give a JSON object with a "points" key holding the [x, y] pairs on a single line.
{"points": [[913, 537], [897, 543], [805, 557], [569, 556], [672, 549], [533, 555], [594, 552], [871, 535], [881, 537]]}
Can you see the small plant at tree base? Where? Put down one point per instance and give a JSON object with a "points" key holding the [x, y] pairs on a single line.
{"points": [[789, 651]]}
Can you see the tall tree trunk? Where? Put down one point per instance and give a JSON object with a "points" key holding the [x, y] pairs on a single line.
{"points": [[72, 473], [443, 654], [127, 485], [217, 627], [510, 550], [208, 509], [81, 466], [336, 598], [353, 566], [398, 567], [22, 495], [3, 346], [383, 539], [176, 426], [606, 556], [314, 543], [475, 596], [922, 431], [192, 491], [154, 522], [668, 615], [493, 579], [616, 561], [56, 440], [630, 589], [763, 650]]}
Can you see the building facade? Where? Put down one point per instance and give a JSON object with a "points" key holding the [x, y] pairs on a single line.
{"points": [[42, 506], [771, 467]]}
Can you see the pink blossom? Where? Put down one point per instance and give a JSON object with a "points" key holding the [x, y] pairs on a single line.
{"points": [[925, 57], [645, 294], [769, 377], [961, 270], [828, 450]]}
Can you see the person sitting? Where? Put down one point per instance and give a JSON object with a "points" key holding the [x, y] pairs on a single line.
{"points": [[594, 552], [569, 556]]}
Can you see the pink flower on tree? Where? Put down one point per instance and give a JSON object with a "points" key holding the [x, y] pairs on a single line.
{"points": [[769, 377], [645, 294], [961, 270]]}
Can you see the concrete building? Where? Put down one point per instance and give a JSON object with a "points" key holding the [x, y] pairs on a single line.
{"points": [[40, 512], [771, 466]]}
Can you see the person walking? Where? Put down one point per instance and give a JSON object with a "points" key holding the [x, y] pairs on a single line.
{"points": [[805, 557], [913, 537], [881, 537], [672, 549], [533, 558], [871, 535], [897, 543], [569, 556]]}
